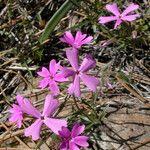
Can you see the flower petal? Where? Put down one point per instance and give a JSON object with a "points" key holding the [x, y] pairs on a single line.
{"points": [[67, 72], [71, 89], [90, 81], [53, 67], [129, 9], [78, 37], [113, 9], [44, 72], [54, 88], [81, 141], [87, 40], [60, 77], [130, 17], [72, 55], [67, 38], [77, 130], [64, 146], [16, 115], [34, 130], [43, 83], [75, 87], [118, 22], [27, 107], [64, 133], [87, 64], [106, 19], [50, 105], [73, 146], [55, 124]]}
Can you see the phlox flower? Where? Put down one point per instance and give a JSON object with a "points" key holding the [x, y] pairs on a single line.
{"points": [[119, 17], [51, 77], [80, 73], [16, 115], [46, 117], [73, 140], [77, 41]]}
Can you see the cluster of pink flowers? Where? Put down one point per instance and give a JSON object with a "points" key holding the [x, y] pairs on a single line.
{"points": [[50, 78], [55, 74]]}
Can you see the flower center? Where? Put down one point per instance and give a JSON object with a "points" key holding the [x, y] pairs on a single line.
{"points": [[77, 72], [76, 45], [42, 117], [51, 77]]}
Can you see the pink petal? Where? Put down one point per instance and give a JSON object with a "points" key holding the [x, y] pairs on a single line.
{"points": [[17, 119], [60, 78], [67, 72], [43, 83], [77, 130], [81, 141], [64, 146], [53, 67], [129, 9], [87, 40], [79, 37], [62, 40], [87, 64], [64, 133], [67, 38], [16, 115], [130, 17], [55, 124], [71, 89], [106, 19], [44, 72], [118, 22], [73, 146], [113, 9], [72, 55], [27, 107], [89, 81], [50, 105], [75, 87], [34, 130], [15, 108], [54, 88]]}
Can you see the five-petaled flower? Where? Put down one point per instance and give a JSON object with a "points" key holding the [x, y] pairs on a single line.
{"points": [[73, 140], [77, 41], [46, 117], [51, 77], [80, 73], [126, 15]]}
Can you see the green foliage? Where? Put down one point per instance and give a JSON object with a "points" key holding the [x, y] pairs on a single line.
{"points": [[61, 12]]}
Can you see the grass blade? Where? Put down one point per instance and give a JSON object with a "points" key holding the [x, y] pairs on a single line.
{"points": [[52, 23]]}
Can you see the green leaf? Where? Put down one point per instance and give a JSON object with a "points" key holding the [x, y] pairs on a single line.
{"points": [[52, 23], [123, 76]]}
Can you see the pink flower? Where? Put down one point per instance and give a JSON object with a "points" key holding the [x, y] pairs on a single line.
{"points": [[119, 17], [77, 41], [51, 77], [72, 140], [46, 117], [16, 115], [80, 73]]}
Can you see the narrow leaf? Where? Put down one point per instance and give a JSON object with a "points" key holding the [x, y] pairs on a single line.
{"points": [[52, 23]]}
